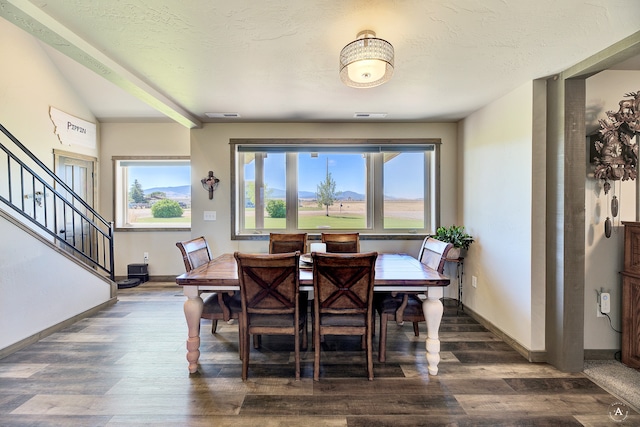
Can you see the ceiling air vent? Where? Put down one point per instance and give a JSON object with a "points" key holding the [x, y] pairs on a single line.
{"points": [[222, 115], [370, 115]]}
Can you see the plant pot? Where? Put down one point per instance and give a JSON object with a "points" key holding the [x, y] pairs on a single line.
{"points": [[454, 253]]}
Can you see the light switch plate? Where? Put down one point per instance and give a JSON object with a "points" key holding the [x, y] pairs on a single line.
{"points": [[209, 215]]}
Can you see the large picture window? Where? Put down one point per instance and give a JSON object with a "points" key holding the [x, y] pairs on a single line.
{"points": [[372, 187], [152, 193]]}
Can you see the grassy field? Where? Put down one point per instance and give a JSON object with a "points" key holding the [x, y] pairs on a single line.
{"points": [[349, 215], [144, 216]]}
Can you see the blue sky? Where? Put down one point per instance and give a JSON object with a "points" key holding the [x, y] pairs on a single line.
{"points": [[168, 176], [403, 174]]}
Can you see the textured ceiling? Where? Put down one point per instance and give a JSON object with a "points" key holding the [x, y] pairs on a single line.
{"points": [[278, 60]]}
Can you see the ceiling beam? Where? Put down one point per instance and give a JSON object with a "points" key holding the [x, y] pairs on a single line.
{"points": [[33, 20]]}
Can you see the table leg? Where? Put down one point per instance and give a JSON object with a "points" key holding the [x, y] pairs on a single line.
{"points": [[192, 312], [433, 311]]}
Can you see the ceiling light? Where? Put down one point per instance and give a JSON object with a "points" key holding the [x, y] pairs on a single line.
{"points": [[367, 61]]}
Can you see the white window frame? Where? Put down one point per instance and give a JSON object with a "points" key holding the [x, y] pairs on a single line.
{"points": [[121, 192], [375, 227]]}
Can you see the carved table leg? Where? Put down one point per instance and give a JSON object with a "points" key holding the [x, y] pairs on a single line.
{"points": [[433, 311], [192, 312]]}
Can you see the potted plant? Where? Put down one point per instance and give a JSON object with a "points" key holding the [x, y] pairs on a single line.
{"points": [[457, 236]]}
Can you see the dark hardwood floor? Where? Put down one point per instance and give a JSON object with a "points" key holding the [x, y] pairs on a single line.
{"points": [[126, 366]]}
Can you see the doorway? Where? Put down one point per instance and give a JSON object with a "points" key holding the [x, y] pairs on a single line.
{"points": [[78, 173]]}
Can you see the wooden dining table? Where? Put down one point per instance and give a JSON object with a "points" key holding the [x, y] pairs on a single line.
{"points": [[393, 273]]}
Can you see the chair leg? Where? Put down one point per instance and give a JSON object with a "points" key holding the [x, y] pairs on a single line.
{"points": [[257, 341], [316, 359], [214, 326], [296, 342], [305, 338], [240, 339], [382, 350], [245, 356], [416, 331], [369, 355]]}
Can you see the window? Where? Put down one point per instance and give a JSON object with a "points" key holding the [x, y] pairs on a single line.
{"points": [[311, 186], [152, 193]]}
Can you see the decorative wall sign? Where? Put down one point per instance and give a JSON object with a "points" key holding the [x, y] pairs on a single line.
{"points": [[617, 148], [72, 130]]}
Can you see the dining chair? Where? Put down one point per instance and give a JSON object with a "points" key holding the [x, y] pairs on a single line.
{"points": [[287, 242], [218, 305], [402, 306], [270, 291], [343, 300], [282, 243], [341, 242]]}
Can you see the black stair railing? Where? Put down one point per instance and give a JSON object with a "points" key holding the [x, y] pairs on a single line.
{"points": [[41, 198]]}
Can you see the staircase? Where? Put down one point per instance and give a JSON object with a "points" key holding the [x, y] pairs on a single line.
{"points": [[43, 202], [56, 257]]}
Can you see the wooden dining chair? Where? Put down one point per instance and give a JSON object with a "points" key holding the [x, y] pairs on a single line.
{"points": [[343, 300], [287, 242], [270, 291], [402, 307], [218, 305], [283, 243], [341, 242]]}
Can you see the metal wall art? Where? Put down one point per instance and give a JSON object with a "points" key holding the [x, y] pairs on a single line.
{"points": [[617, 149], [210, 183]]}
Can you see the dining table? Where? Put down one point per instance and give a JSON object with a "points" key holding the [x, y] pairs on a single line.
{"points": [[394, 272]]}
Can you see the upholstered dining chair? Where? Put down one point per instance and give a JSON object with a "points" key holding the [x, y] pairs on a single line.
{"points": [[287, 242], [218, 305], [343, 300], [408, 307], [270, 291], [341, 242]]}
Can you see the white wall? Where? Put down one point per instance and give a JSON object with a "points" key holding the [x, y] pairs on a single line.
{"points": [[497, 205], [29, 85], [604, 257], [142, 139], [40, 287]]}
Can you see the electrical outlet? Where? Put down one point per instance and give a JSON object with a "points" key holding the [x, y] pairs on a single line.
{"points": [[605, 302], [146, 257], [474, 281], [598, 312]]}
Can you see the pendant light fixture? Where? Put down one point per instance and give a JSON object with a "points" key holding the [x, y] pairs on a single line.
{"points": [[367, 61]]}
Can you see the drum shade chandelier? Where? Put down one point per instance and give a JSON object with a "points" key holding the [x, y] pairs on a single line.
{"points": [[366, 61]]}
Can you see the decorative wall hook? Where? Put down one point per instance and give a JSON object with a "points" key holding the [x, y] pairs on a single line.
{"points": [[210, 183]]}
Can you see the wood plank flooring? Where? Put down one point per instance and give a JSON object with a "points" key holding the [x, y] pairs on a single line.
{"points": [[126, 366]]}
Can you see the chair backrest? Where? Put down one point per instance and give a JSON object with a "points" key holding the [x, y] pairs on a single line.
{"points": [[343, 283], [341, 242], [433, 253], [269, 283], [287, 242], [195, 252]]}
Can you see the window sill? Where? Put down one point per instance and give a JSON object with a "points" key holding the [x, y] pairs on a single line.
{"points": [[143, 229], [316, 236]]}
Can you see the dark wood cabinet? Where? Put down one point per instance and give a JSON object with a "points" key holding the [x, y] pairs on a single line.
{"points": [[631, 296]]}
